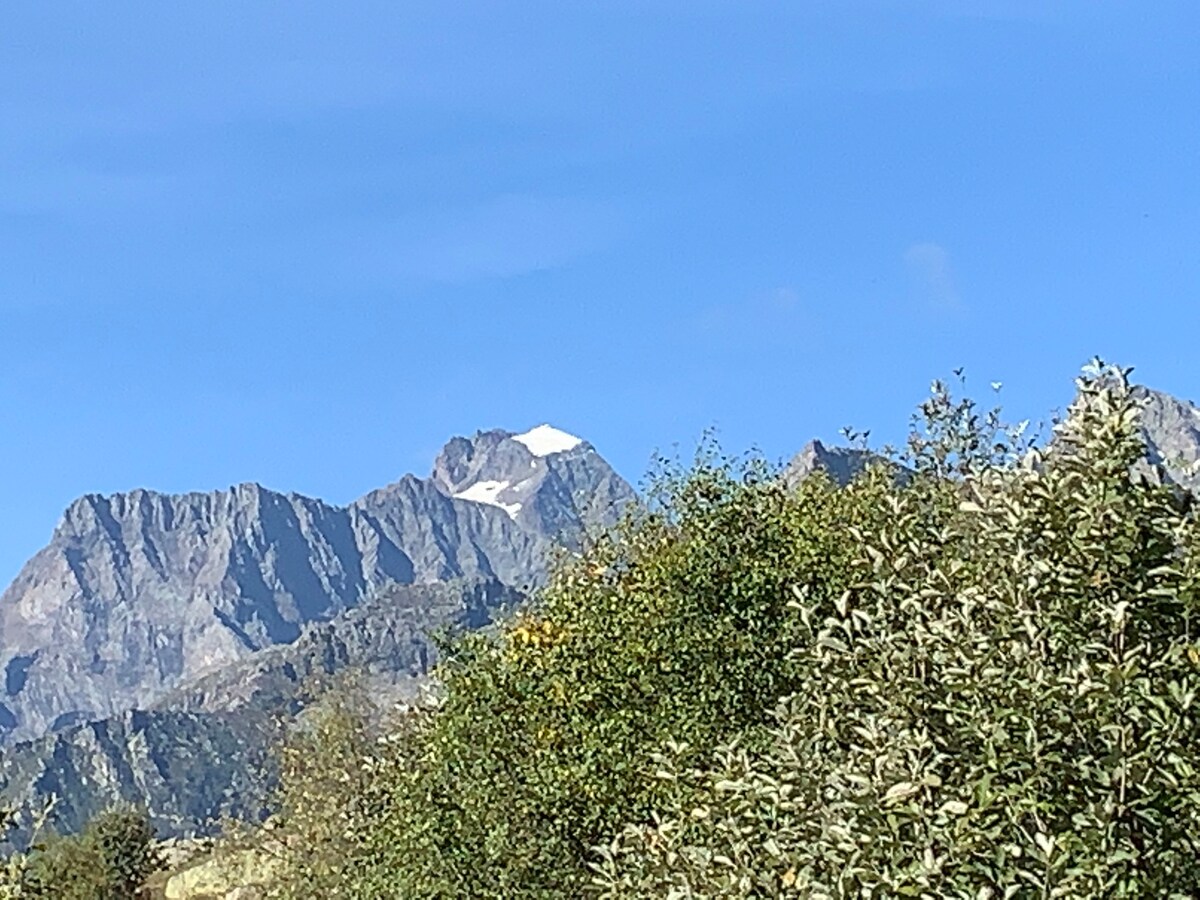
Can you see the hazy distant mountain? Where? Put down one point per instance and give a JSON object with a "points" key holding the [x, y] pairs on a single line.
{"points": [[203, 751], [139, 593]]}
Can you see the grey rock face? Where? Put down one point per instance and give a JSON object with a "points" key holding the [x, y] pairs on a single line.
{"points": [[185, 769], [1171, 428], [841, 464], [140, 593], [391, 634], [204, 751], [558, 493]]}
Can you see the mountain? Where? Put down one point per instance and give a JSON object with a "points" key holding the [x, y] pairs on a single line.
{"points": [[203, 751], [1171, 428], [841, 464], [139, 593], [152, 650]]}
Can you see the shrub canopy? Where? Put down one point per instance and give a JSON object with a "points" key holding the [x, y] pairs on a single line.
{"points": [[977, 680], [111, 859], [1002, 702]]}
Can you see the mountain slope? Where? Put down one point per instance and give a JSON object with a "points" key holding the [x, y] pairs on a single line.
{"points": [[390, 635], [1172, 430], [203, 751], [185, 769], [139, 593]]}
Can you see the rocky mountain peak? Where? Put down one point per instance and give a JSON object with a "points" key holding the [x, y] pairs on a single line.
{"points": [[139, 592], [544, 479], [841, 464]]}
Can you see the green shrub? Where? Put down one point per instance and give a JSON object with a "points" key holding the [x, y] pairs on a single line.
{"points": [[1002, 702], [109, 860], [675, 626], [336, 777], [977, 681], [12, 870]]}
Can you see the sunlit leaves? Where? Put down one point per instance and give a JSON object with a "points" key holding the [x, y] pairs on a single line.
{"points": [[1002, 704]]}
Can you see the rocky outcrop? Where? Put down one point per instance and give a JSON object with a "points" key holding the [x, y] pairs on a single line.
{"points": [[233, 875], [1171, 428], [841, 464]]}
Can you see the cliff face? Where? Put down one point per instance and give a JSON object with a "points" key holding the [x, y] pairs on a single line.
{"points": [[204, 750], [139, 593], [185, 769], [391, 640], [1171, 428]]}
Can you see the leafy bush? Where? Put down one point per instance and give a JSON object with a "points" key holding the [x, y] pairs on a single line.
{"points": [[676, 625], [109, 860], [1002, 702], [336, 774], [12, 871], [974, 681]]}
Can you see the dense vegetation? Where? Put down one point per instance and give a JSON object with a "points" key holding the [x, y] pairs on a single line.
{"points": [[111, 859], [976, 680], [973, 678]]}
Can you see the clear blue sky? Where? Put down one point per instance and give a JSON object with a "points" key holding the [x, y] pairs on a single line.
{"points": [[304, 243]]}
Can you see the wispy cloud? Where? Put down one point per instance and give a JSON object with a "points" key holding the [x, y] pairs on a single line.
{"points": [[774, 313], [500, 238], [930, 266]]}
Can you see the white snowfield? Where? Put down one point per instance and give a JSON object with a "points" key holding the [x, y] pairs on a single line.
{"points": [[489, 492], [545, 440]]}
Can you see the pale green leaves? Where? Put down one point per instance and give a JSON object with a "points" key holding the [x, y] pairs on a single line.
{"points": [[1001, 703]]}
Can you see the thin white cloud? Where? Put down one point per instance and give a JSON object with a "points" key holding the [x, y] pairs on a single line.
{"points": [[930, 266], [775, 313], [500, 238]]}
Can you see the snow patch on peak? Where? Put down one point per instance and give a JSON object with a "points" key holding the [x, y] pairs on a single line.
{"points": [[489, 492], [545, 440]]}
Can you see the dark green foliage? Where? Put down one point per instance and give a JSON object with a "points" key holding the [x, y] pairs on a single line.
{"points": [[676, 626], [109, 860], [979, 681]]}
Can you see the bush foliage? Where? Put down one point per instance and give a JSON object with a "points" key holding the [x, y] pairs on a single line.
{"points": [[111, 859], [977, 681], [1003, 703]]}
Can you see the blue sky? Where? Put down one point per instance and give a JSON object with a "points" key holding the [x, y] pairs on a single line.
{"points": [[304, 243]]}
